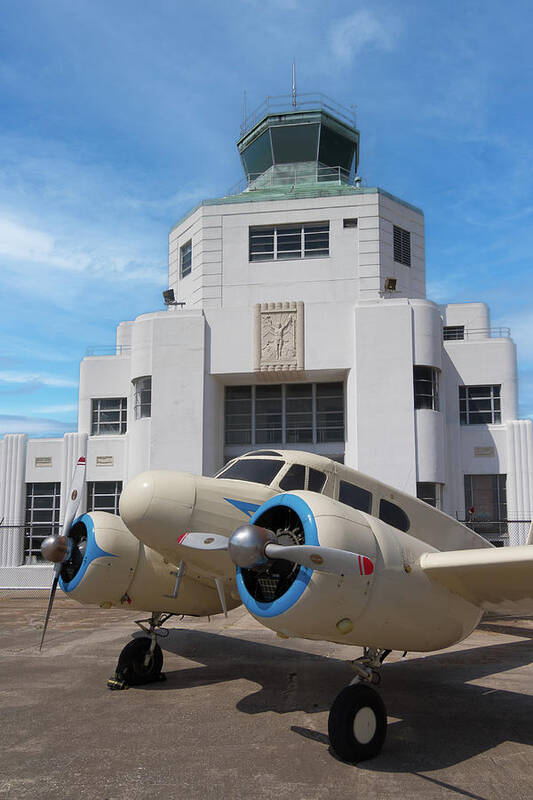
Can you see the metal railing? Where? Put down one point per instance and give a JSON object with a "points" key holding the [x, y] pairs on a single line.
{"points": [[476, 333], [308, 101], [108, 350], [294, 175]]}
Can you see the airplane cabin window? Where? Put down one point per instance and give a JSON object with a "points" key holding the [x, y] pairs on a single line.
{"points": [[293, 479], [355, 497], [393, 515], [256, 470], [317, 479]]}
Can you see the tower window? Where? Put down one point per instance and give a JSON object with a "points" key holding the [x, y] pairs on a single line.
{"points": [[289, 241], [109, 416], [402, 246], [452, 333], [426, 387], [42, 517], [186, 258], [479, 405], [284, 413], [103, 496], [142, 400]]}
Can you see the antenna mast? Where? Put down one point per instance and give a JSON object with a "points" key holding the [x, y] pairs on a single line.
{"points": [[293, 84]]}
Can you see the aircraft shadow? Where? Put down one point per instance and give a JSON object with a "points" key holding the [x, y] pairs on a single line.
{"points": [[443, 719]]}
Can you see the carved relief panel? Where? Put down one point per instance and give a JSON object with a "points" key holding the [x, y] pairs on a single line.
{"points": [[279, 337]]}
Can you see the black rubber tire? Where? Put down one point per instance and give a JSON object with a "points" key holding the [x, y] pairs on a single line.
{"points": [[342, 736], [131, 667]]}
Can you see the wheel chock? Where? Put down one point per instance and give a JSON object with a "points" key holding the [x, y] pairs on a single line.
{"points": [[115, 684]]}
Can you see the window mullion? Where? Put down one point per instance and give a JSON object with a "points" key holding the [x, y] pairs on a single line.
{"points": [[313, 408], [275, 243], [283, 413], [252, 432]]}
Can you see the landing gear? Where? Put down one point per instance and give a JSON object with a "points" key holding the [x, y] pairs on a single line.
{"points": [[141, 661], [357, 723]]}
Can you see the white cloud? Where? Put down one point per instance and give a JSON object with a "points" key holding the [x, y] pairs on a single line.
{"points": [[361, 30], [34, 426], [9, 376], [58, 409]]}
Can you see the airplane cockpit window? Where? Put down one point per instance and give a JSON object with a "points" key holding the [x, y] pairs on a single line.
{"points": [[355, 497], [293, 479], [256, 470], [317, 479], [393, 515]]}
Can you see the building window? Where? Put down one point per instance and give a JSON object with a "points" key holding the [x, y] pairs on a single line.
{"points": [[402, 246], [479, 405], [289, 242], [426, 386], [451, 333], [109, 416], [284, 413], [186, 258], [103, 496], [486, 504], [430, 493], [142, 397], [42, 517]]}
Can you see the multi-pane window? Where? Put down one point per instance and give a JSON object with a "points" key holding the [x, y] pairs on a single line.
{"points": [[289, 241], [186, 258], [402, 246], [109, 415], [284, 413], [142, 397], [430, 493], [486, 503], [452, 333], [479, 405], [426, 387], [103, 496], [42, 517]]}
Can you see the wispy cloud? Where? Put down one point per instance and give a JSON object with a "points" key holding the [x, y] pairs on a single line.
{"points": [[35, 378], [34, 426], [362, 30]]}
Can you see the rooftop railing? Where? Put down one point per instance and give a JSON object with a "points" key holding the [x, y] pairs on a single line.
{"points": [[280, 104], [456, 333], [285, 175], [104, 350]]}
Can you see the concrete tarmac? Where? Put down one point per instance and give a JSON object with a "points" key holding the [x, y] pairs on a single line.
{"points": [[243, 714]]}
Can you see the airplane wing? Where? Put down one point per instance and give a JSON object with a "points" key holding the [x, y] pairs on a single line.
{"points": [[497, 579]]}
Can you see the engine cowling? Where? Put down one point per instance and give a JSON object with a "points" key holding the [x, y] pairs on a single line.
{"points": [[393, 607], [108, 566]]}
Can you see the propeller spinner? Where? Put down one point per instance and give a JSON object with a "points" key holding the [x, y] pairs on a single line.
{"points": [[55, 548]]}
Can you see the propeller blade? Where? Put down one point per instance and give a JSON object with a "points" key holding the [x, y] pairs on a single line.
{"points": [[75, 492], [55, 548], [57, 570], [203, 541], [323, 559]]}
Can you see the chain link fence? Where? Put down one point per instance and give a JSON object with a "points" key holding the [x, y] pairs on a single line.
{"points": [[24, 572]]}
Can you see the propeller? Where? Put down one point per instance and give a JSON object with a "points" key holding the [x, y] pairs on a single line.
{"points": [[252, 547], [55, 548]]}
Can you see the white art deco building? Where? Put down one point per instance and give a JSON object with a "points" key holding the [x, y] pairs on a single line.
{"points": [[302, 322]]}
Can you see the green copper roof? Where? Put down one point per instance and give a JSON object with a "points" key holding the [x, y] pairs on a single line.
{"points": [[298, 192]]}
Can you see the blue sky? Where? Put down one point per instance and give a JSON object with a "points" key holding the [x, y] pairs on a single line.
{"points": [[116, 117]]}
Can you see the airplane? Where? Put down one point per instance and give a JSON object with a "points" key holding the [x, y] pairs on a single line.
{"points": [[313, 549]]}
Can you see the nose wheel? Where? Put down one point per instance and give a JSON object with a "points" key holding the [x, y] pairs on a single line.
{"points": [[357, 723]]}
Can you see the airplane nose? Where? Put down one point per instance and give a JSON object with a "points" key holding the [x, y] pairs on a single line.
{"points": [[157, 506]]}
